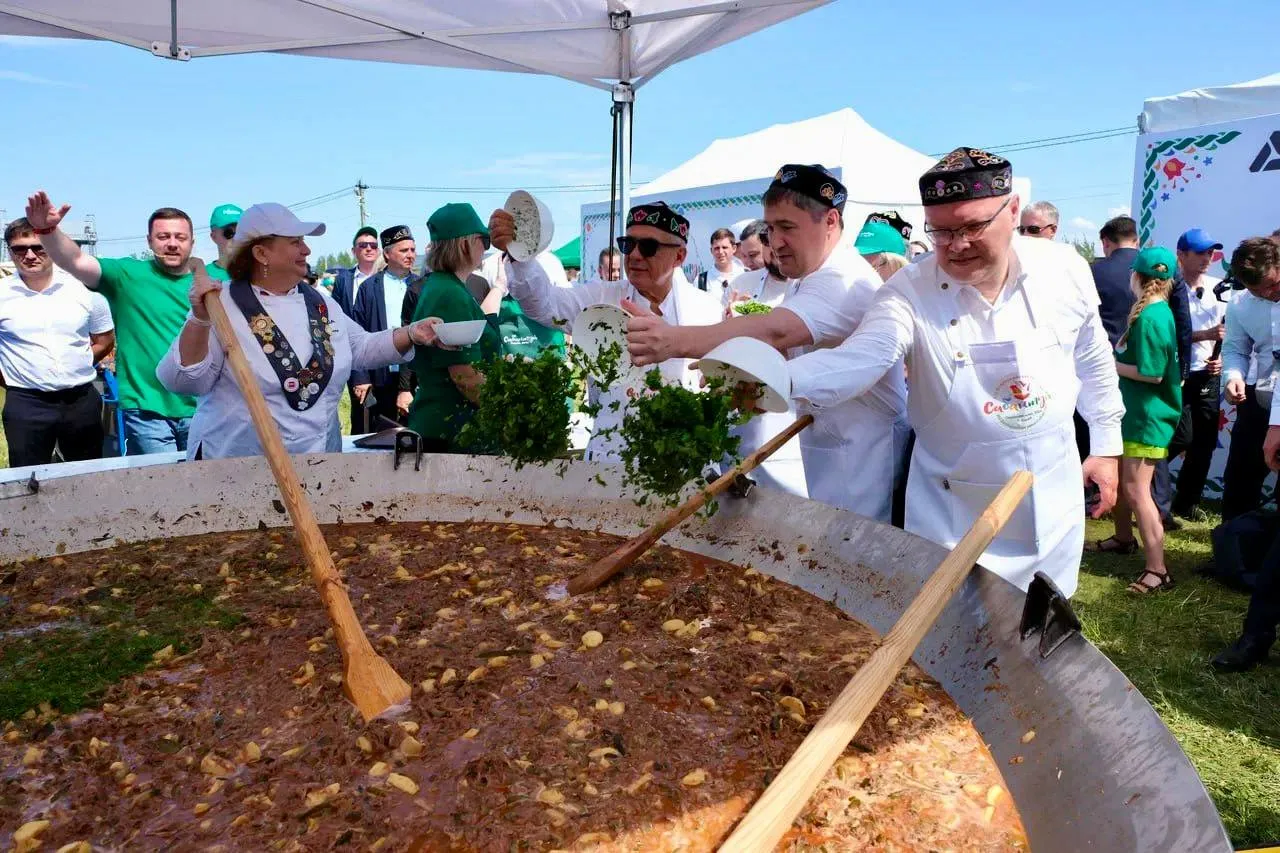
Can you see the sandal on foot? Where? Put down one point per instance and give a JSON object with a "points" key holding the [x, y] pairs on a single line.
{"points": [[1163, 582], [1112, 545]]}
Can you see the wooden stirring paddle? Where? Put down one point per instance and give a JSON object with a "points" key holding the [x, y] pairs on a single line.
{"points": [[633, 549], [367, 679], [784, 799]]}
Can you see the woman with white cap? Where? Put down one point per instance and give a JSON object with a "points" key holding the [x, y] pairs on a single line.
{"points": [[301, 346]]}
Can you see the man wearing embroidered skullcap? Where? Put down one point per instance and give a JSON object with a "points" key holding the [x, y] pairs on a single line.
{"points": [[653, 248], [377, 307], [853, 453], [1003, 342]]}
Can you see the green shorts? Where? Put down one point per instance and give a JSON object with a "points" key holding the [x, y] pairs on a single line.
{"points": [[1135, 450]]}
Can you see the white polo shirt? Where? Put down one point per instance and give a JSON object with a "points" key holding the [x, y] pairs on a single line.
{"points": [[1206, 313], [44, 336]]}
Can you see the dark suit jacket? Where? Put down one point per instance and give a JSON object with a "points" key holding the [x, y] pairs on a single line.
{"points": [[1181, 306], [370, 312], [343, 281], [1111, 277]]}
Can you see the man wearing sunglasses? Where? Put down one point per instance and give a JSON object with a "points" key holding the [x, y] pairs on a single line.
{"points": [[653, 248], [377, 307], [852, 454], [52, 333], [222, 230], [1003, 343], [1039, 220], [346, 283]]}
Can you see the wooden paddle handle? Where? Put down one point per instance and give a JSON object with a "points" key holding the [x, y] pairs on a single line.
{"points": [[346, 626], [631, 550], [784, 799]]}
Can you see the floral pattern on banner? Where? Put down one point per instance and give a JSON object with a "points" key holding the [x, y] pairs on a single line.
{"points": [[1172, 166]]}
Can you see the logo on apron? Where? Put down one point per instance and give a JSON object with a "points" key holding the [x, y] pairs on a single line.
{"points": [[1017, 402]]}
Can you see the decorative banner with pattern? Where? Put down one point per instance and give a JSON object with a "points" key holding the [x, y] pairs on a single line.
{"points": [[1223, 178]]}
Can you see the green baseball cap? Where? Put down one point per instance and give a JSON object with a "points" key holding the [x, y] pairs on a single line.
{"points": [[457, 219], [877, 237], [224, 215], [1155, 261]]}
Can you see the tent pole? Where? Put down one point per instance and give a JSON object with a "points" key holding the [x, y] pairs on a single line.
{"points": [[623, 97]]}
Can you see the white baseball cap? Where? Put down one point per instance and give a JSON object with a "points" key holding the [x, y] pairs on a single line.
{"points": [[273, 220]]}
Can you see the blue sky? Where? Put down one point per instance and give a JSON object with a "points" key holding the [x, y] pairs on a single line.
{"points": [[117, 132]]}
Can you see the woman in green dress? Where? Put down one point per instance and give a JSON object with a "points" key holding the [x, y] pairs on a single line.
{"points": [[449, 381], [1151, 385]]}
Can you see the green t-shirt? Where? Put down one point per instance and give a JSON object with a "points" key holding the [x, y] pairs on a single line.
{"points": [[216, 272], [439, 410], [522, 336], [1151, 411], [149, 307]]}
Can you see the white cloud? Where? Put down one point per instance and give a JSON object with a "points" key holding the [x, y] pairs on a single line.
{"points": [[24, 77], [1022, 87], [1079, 223], [32, 41], [558, 164], [1122, 210]]}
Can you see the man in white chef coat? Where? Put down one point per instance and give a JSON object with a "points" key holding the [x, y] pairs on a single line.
{"points": [[653, 248], [1003, 342], [853, 453]]}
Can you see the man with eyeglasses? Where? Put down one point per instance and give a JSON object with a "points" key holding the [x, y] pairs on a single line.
{"points": [[346, 282], [378, 306], [1251, 337], [1039, 220], [1003, 342], [1251, 334], [53, 331], [148, 299], [853, 453], [653, 248], [222, 230]]}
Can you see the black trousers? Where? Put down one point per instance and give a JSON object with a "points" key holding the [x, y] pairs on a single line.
{"points": [[1200, 406], [1264, 605], [37, 421], [1246, 469]]}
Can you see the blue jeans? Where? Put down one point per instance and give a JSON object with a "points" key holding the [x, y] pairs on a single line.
{"points": [[147, 432]]}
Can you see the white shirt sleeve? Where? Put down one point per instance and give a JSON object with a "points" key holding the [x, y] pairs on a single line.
{"points": [[828, 377], [195, 380], [100, 320], [828, 305], [369, 349], [1237, 346], [555, 306], [1099, 402]]}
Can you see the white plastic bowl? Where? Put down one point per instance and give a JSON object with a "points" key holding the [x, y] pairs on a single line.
{"points": [[754, 361], [595, 328], [534, 227], [463, 333]]}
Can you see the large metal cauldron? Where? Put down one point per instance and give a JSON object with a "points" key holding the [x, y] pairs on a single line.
{"points": [[1103, 773]]}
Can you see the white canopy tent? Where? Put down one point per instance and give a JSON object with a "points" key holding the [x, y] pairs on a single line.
{"points": [[724, 184], [615, 45], [1211, 105]]}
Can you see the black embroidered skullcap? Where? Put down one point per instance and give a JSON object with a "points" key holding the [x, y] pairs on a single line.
{"points": [[395, 234], [661, 217], [816, 182], [893, 219], [965, 174]]}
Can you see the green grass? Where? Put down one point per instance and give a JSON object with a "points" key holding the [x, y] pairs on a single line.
{"points": [[1229, 725]]}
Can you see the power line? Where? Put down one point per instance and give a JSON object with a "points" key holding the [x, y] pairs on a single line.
{"points": [[1053, 141], [553, 188]]}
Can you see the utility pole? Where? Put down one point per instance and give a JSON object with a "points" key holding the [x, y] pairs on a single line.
{"points": [[361, 186]]}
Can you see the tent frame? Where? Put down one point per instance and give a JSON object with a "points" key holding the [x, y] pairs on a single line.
{"points": [[621, 20]]}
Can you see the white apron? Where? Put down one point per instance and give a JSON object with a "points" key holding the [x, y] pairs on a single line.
{"points": [[784, 470], [853, 456], [1010, 408]]}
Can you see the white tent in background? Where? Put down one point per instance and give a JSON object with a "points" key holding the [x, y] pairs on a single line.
{"points": [[724, 184], [1210, 158], [615, 45]]}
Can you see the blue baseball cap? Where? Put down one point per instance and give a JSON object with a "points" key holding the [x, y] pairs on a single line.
{"points": [[1196, 240]]}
